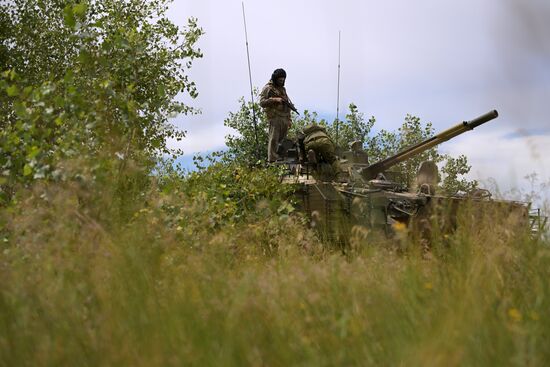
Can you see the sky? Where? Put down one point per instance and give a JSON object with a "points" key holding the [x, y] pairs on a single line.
{"points": [[443, 61]]}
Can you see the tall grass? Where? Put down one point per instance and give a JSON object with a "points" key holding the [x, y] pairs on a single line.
{"points": [[176, 285]]}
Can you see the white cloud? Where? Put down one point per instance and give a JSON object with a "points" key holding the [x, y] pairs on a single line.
{"points": [[200, 136], [506, 160]]}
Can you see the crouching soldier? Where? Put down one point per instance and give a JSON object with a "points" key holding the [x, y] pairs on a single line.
{"points": [[319, 148]]}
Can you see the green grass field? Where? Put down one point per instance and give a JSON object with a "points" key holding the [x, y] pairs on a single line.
{"points": [[175, 289]]}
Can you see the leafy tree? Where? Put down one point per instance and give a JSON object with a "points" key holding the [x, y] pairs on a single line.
{"points": [[387, 143], [353, 128], [307, 118], [89, 79], [244, 148], [232, 192], [453, 171]]}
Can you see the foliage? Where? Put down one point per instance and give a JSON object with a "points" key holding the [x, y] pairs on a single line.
{"points": [[89, 79], [411, 132], [452, 170], [250, 145], [303, 120], [230, 192], [353, 128]]}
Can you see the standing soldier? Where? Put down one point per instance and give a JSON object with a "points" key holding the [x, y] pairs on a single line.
{"points": [[277, 107]]}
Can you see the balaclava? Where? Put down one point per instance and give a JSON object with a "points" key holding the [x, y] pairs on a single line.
{"points": [[278, 74]]}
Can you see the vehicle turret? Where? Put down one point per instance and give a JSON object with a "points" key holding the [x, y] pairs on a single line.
{"points": [[371, 171]]}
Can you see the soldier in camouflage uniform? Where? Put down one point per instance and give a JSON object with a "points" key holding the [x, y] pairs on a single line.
{"points": [[316, 140], [277, 107]]}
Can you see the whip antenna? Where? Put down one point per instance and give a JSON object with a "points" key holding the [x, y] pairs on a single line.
{"points": [[338, 90], [251, 88]]}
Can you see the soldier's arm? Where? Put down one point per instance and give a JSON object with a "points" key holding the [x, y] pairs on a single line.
{"points": [[266, 100]]}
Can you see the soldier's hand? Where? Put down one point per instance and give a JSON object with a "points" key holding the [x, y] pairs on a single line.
{"points": [[278, 99]]}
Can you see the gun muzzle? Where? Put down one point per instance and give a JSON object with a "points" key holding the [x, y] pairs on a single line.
{"points": [[472, 124]]}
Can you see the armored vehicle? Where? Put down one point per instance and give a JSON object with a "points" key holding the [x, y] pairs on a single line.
{"points": [[363, 195]]}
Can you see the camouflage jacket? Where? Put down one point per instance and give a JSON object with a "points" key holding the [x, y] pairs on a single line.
{"points": [[314, 132], [274, 109]]}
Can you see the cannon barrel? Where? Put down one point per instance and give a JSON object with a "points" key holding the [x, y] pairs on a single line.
{"points": [[371, 171]]}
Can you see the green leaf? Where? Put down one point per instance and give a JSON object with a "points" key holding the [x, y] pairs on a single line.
{"points": [[12, 90], [84, 57], [79, 10], [27, 91], [131, 106], [20, 110], [34, 152], [68, 16], [27, 170], [69, 77]]}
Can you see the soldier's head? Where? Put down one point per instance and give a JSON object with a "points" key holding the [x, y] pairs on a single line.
{"points": [[278, 77]]}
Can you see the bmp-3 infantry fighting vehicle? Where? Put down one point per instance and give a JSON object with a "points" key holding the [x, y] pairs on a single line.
{"points": [[363, 195]]}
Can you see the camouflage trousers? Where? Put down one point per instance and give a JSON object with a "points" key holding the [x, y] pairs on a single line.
{"points": [[278, 127]]}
